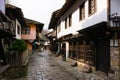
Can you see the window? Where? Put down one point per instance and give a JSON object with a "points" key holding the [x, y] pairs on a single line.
{"points": [[90, 52], [65, 23], [59, 26], [18, 29], [70, 20], [87, 52], [82, 11], [92, 6], [26, 30], [114, 42]]}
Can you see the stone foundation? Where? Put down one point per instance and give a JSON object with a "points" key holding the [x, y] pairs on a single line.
{"points": [[85, 67], [15, 72], [114, 62]]}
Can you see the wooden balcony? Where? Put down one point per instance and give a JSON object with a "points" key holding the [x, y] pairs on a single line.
{"points": [[6, 26]]}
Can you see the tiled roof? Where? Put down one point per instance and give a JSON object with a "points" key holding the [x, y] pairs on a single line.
{"points": [[32, 21], [57, 14], [14, 12]]}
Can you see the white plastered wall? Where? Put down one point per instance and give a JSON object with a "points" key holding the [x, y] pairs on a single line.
{"points": [[98, 17]]}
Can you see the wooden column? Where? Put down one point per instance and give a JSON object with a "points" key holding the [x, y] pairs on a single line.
{"points": [[84, 44], [77, 44]]}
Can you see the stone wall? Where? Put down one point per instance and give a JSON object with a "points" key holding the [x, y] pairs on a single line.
{"points": [[15, 72], [114, 61]]}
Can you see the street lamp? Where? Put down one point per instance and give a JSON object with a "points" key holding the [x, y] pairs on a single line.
{"points": [[115, 21]]}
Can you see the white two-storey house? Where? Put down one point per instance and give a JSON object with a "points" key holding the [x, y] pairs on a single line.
{"points": [[18, 21], [89, 29]]}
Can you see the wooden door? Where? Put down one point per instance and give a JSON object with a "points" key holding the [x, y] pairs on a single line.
{"points": [[103, 55]]}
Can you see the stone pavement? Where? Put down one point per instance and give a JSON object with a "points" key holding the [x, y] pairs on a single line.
{"points": [[45, 66]]}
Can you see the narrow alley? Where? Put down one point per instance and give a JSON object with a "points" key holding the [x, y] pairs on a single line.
{"points": [[59, 40], [45, 66]]}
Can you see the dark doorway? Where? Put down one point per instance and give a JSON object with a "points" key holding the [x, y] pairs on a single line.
{"points": [[103, 55], [64, 48]]}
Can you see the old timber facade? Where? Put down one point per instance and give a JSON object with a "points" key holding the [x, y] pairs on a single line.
{"points": [[89, 31]]}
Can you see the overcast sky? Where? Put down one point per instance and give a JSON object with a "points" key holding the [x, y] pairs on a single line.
{"points": [[39, 10]]}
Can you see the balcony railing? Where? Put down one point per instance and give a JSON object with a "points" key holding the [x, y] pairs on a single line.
{"points": [[6, 24], [13, 58]]}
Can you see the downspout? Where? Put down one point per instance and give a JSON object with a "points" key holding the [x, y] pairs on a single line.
{"points": [[108, 12]]}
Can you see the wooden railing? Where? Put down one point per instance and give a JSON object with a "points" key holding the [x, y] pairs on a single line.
{"points": [[7, 25], [14, 58]]}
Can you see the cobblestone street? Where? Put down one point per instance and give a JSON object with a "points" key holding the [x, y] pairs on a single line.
{"points": [[45, 66]]}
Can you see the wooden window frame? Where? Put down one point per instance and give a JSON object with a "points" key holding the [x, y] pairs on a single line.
{"points": [[70, 20], [82, 11], [59, 27], [90, 53], [86, 52], [91, 7], [114, 43], [81, 53], [18, 29], [26, 30], [66, 23]]}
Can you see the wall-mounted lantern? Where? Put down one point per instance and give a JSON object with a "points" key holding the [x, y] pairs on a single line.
{"points": [[115, 21]]}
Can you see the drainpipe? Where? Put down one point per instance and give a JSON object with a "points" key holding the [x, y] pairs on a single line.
{"points": [[108, 11]]}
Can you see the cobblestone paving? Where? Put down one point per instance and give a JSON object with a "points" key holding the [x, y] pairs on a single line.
{"points": [[45, 66]]}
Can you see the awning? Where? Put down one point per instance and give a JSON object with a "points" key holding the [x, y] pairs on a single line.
{"points": [[100, 30], [97, 31], [64, 38]]}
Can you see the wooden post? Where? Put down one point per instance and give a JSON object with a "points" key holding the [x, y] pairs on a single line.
{"points": [[84, 44], [77, 44]]}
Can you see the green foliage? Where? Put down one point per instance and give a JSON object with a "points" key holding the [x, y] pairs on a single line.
{"points": [[18, 45]]}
